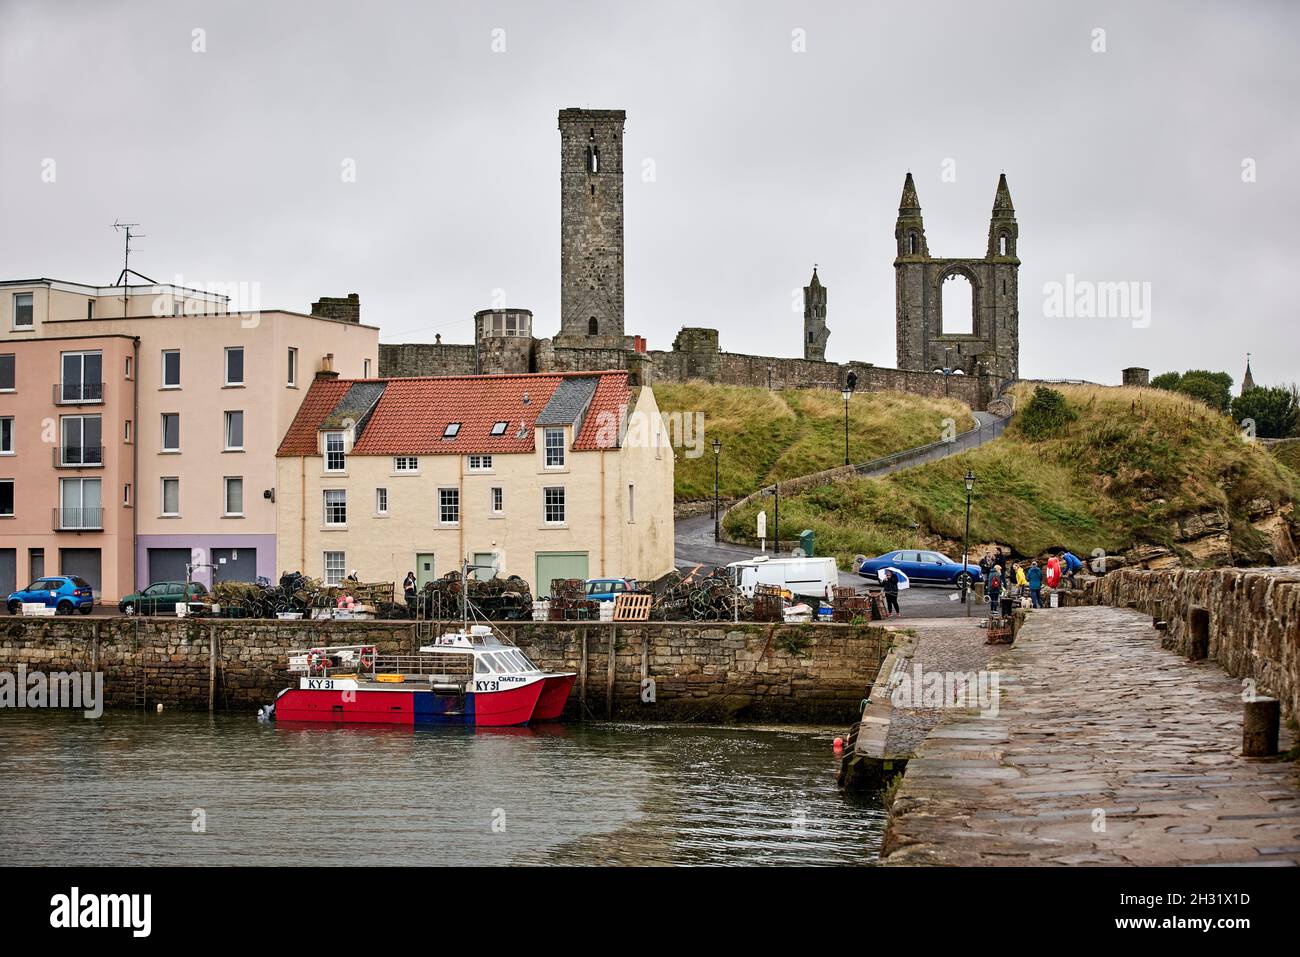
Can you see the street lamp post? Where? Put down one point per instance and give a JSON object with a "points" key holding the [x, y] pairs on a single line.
{"points": [[965, 546], [776, 518], [847, 392], [717, 454]]}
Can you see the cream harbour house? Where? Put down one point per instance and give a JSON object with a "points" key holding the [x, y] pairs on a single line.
{"points": [[544, 476]]}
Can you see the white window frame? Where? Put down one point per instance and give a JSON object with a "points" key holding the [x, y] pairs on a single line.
{"points": [[479, 463], [381, 500], [547, 448], [129, 367], [414, 461], [243, 371], [162, 440], [31, 307], [162, 493], [225, 496], [13, 496], [325, 507], [365, 368], [497, 500], [126, 431], [341, 451], [226, 366], [444, 504], [126, 495], [292, 381], [163, 377], [227, 419], [64, 445], [13, 358], [341, 567], [7, 448], [548, 505]]}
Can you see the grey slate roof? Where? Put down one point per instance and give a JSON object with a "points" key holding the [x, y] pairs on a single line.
{"points": [[569, 401], [356, 406]]}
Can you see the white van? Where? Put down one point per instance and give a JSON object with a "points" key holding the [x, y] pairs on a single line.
{"points": [[807, 577]]}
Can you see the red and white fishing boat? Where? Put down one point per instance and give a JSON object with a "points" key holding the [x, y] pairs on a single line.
{"points": [[473, 676]]}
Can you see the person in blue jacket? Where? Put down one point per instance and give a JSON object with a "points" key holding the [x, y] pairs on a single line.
{"points": [[1072, 564], [1035, 577]]}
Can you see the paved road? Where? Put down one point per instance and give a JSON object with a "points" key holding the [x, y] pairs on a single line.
{"points": [[1105, 749], [695, 546]]}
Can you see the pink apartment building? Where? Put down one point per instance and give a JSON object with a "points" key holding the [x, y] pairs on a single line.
{"points": [[139, 424]]}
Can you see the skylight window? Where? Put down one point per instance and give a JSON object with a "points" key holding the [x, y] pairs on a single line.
{"points": [[451, 430], [499, 428]]}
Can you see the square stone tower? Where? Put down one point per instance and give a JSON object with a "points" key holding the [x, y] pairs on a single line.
{"points": [[591, 228]]}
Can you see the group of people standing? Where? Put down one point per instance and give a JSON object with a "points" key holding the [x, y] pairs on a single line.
{"points": [[1004, 577]]}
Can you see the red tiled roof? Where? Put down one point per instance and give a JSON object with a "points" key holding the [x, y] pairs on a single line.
{"points": [[320, 399], [412, 413]]}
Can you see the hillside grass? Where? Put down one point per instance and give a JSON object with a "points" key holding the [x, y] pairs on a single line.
{"points": [[1288, 455], [1131, 464], [771, 435]]}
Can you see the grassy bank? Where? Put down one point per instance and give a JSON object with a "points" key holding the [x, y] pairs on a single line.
{"points": [[1127, 470], [769, 435]]}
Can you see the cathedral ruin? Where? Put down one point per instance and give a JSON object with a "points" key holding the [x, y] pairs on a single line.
{"points": [[973, 359]]}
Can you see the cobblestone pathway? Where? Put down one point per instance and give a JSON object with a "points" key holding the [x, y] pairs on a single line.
{"points": [[1106, 749]]}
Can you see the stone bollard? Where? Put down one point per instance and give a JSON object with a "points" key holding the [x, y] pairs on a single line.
{"points": [[1259, 727]]}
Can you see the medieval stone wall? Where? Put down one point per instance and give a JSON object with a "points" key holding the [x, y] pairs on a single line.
{"points": [[425, 359]]}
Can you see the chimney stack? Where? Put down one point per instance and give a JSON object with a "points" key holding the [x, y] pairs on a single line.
{"points": [[345, 309]]}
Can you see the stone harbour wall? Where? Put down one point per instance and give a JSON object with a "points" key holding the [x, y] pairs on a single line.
{"points": [[695, 671], [1246, 619]]}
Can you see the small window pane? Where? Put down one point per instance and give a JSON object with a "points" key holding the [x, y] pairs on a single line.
{"points": [[171, 431], [23, 309], [171, 496], [235, 366], [7, 371], [171, 368], [234, 496], [234, 430]]}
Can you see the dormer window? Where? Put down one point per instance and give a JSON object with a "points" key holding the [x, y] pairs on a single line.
{"points": [[499, 428], [451, 431], [335, 460]]}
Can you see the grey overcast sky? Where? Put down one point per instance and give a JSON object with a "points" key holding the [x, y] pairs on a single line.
{"points": [[1125, 165]]}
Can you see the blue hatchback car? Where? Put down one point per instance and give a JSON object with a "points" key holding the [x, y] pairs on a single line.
{"points": [[920, 567], [63, 593]]}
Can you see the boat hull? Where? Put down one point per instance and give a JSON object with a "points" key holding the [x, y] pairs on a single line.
{"points": [[511, 706], [554, 696]]}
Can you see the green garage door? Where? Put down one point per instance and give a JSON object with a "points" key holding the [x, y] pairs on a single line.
{"points": [[551, 565]]}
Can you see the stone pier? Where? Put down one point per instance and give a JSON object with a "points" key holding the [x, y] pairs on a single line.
{"points": [[1105, 749]]}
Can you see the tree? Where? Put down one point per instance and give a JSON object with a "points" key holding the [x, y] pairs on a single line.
{"points": [[1212, 388], [1274, 410], [1046, 414]]}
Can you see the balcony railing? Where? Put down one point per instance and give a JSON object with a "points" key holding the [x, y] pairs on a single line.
{"points": [[78, 519], [78, 393], [79, 457]]}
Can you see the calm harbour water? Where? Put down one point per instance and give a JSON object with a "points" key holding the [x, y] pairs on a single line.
{"points": [[123, 790]]}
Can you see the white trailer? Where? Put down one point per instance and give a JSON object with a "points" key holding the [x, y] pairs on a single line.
{"points": [[806, 577]]}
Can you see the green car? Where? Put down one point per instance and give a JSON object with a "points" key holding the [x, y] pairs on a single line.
{"points": [[161, 598]]}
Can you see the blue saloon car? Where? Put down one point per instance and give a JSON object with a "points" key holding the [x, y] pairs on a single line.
{"points": [[921, 567], [63, 593]]}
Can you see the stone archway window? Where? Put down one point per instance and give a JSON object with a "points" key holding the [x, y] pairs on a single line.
{"points": [[593, 327], [1003, 244], [911, 244], [593, 158], [957, 304]]}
